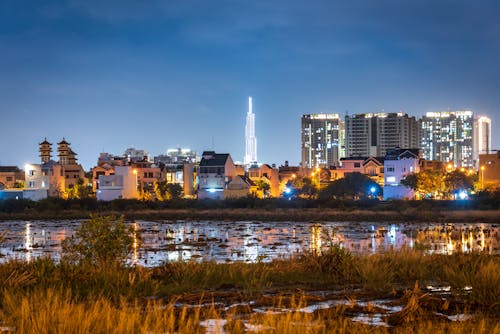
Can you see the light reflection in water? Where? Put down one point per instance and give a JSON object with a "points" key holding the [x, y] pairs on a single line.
{"points": [[315, 243], [251, 241], [135, 255], [28, 243]]}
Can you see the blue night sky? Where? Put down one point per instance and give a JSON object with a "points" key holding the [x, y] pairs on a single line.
{"points": [[112, 74]]}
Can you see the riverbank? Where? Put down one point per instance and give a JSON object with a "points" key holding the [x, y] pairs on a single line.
{"points": [[334, 292], [273, 214]]}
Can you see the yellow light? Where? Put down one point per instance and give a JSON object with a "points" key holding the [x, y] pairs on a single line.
{"points": [[134, 171], [482, 167], [294, 176]]}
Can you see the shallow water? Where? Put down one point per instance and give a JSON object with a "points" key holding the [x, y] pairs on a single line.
{"points": [[250, 241]]}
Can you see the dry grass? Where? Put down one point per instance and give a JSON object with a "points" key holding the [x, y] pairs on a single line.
{"points": [[44, 297], [52, 311]]}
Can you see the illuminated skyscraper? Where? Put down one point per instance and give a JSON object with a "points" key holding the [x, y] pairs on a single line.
{"points": [[447, 136], [482, 137], [372, 134], [250, 140], [322, 140]]}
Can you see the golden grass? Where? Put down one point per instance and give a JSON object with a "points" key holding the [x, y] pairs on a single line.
{"points": [[44, 297], [52, 311]]}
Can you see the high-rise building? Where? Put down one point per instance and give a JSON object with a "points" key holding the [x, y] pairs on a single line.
{"points": [[372, 134], [250, 139], [447, 136], [482, 138], [322, 140]]}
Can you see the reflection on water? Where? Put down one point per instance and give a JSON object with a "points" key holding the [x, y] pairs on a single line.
{"points": [[256, 241]]}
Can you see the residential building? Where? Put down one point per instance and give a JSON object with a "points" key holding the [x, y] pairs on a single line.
{"points": [[216, 170], [489, 170], [398, 163], [372, 134], [447, 136], [111, 160], [120, 185], [37, 185], [268, 174], [176, 156], [147, 174], [322, 140], [240, 186], [10, 177], [134, 155], [432, 165], [482, 138], [372, 167]]}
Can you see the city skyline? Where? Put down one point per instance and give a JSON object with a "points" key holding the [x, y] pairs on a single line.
{"points": [[118, 74]]}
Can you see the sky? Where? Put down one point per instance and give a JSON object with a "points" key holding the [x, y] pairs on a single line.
{"points": [[108, 75]]}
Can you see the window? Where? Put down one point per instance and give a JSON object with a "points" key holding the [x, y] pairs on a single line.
{"points": [[31, 172], [31, 184], [390, 169], [9, 178], [357, 165]]}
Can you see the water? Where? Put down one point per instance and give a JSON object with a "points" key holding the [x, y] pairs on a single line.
{"points": [[250, 241]]}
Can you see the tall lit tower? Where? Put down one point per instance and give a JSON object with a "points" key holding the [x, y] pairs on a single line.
{"points": [[250, 140]]}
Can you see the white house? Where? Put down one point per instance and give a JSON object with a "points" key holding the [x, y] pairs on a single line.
{"points": [[37, 185], [123, 184], [398, 164]]}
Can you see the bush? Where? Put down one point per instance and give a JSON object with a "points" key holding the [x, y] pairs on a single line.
{"points": [[102, 241]]}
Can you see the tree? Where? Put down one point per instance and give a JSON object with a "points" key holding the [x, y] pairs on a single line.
{"points": [[19, 185], [167, 191], [263, 186], [352, 185], [78, 190], [428, 183], [457, 180], [102, 241], [309, 189]]}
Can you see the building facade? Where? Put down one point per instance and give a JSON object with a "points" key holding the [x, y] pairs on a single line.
{"points": [[447, 136], [482, 138], [11, 177], [123, 184], [322, 140], [489, 170], [216, 170], [372, 134], [398, 163]]}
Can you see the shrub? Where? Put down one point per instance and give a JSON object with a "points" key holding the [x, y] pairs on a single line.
{"points": [[102, 241]]}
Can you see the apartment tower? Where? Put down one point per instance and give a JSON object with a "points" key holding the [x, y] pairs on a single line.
{"points": [[322, 140], [372, 134]]}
